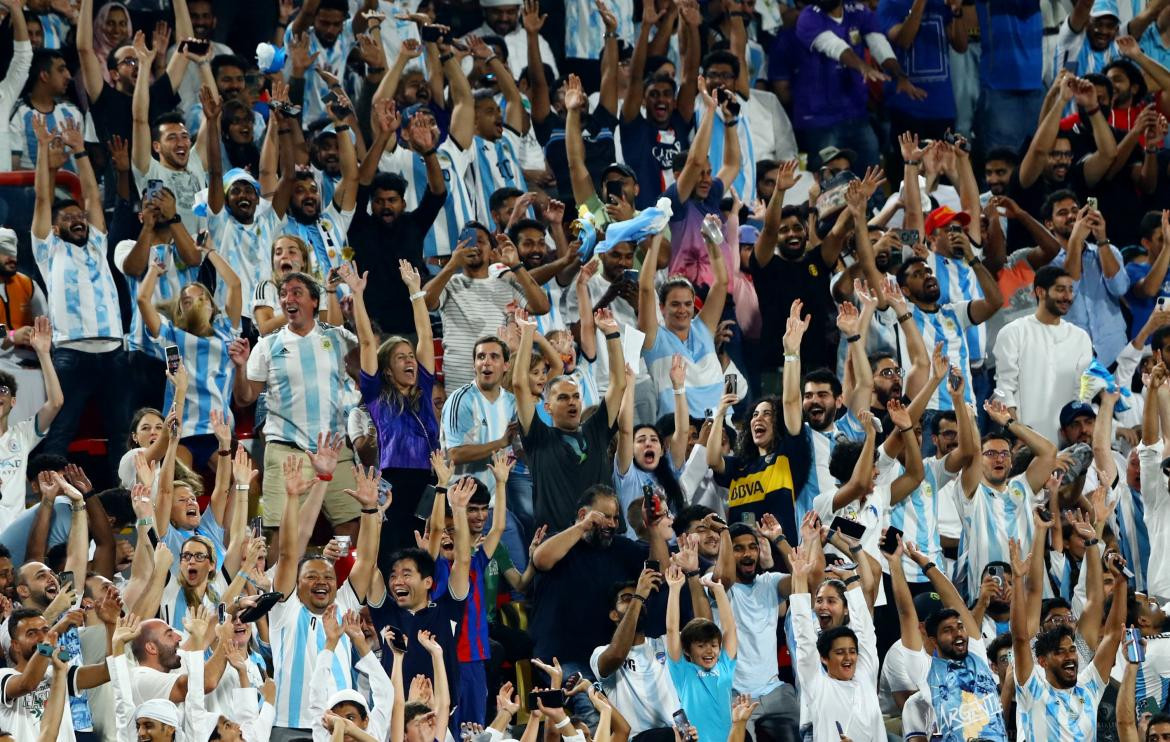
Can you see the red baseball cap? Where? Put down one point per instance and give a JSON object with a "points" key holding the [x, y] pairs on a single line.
{"points": [[943, 216]]}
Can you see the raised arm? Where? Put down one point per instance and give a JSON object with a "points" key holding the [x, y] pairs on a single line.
{"points": [[862, 480], [295, 485], [1032, 166], [765, 247], [673, 637], [726, 616], [617, 363], [1043, 450], [648, 297], [790, 393], [140, 149], [458, 496], [712, 310], [91, 68], [697, 156], [1023, 614]]}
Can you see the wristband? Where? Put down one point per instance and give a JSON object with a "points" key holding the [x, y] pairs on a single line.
{"points": [[609, 35], [637, 597], [77, 508], [928, 566], [680, 392], [375, 70], [144, 523], [369, 511], [442, 490], [430, 152], [418, 295], [1093, 542], [779, 538], [905, 430], [791, 357], [563, 723], [913, 163], [850, 580], [79, 154], [1010, 422], [341, 127], [444, 58], [488, 59], [974, 261], [853, 338], [612, 335], [906, 316], [731, 122], [224, 453], [855, 549], [284, 131], [325, 477], [242, 488], [1095, 110], [692, 573]]}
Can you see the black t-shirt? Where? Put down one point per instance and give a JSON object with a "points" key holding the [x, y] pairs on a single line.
{"points": [[377, 249], [571, 601], [770, 484], [600, 150], [566, 464], [778, 284], [111, 111], [650, 152], [442, 618]]}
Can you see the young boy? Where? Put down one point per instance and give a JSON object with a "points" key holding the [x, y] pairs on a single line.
{"points": [[701, 659]]}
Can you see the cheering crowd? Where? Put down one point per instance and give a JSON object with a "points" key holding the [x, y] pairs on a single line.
{"points": [[712, 370]]}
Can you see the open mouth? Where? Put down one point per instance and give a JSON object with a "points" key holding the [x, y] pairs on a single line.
{"points": [[649, 458], [192, 511], [180, 152], [825, 619], [290, 310], [51, 589], [959, 646], [661, 109], [192, 575], [401, 593], [320, 593], [285, 267], [244, 203]]}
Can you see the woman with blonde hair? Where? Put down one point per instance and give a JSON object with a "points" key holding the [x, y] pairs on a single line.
{"points": [[290, 254], [202, 333]]}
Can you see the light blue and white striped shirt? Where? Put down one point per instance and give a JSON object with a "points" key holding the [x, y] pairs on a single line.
{"points": [[1074, 53], [820, 480], [56, 30], [492, 166], [82, 295], [586, 39], [459, 208], [948, 325], [553, 320], [246, 247], [210, 368], [704, 382], [1132, 534], [1047, 713], [990, 519], [297, 636], [916, 516], [957, 282], [330, 58], [24, 138], [325, 236], [306, 382], [169, 286], [470, 418], [744, 183]]}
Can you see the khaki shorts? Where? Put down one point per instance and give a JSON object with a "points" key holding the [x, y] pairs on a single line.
{"points": [[338, 506]]}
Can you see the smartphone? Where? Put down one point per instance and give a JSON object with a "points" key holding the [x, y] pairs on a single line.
{"points": [[1091, 202], [955, 379], [173, 358], [680, 719], [908, 237], [730, 383], [67, 579], [748, 517], [469, 235], [399, 643], [847, 566], [719, 520], [257, 526], [430, 34], [1134, 651], [198, 47], [221, 612], [850, 528], [333, 102], [154, 187], [630, 275], [570, 682], [553, 699], [840, 729], [613, 190], [889, 542], [995, 572], [652, 564]]}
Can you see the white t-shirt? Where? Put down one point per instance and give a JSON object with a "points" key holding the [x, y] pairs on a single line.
{"points": [[21, 716], [755, 608], [15, 446], [897, 676], [185, 184], [641, 689]]}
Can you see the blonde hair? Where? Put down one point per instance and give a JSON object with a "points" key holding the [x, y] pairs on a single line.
{"points": [[306, 252]]}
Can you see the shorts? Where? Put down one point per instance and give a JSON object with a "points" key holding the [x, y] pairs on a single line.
{"points": [[338, 506]]}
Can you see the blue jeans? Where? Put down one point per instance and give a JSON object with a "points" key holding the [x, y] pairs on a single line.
{"points": [[855, 134], [100, 376], [1007, 117]]}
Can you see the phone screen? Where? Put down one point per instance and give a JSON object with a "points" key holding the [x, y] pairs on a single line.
{"points": [[173, 360]]}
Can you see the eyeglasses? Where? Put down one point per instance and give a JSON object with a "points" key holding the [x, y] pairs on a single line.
{"points": [[892, 372], [4, 391], [128, 61], [1059, 619], [719, 75], [1061, 155], [191, 556], [997, 454]]}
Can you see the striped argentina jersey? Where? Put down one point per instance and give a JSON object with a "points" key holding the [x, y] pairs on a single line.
{"points": [[168, 288], [744, 183], [24, 138], [326, 236], [305, 378], [470, 418], [490, 166], [174, 607], [1132, 534], [79, 287], [990, 518], [947, 325], [704, 382], [459, 207], [1047, 713], [56, 30], [957, 282], [823, 442], [553, 319], [246, 247], [210, 368], [916, 516], [297, 637], [331, 58], [1074, 53], [586, 40]]}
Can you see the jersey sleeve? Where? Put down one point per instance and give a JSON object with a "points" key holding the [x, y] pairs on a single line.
{"points": [[258, 363]]}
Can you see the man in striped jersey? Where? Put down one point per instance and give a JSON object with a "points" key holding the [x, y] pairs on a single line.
{"points": [[995, 506], [479, 418], [946, 323], [50, 82]]}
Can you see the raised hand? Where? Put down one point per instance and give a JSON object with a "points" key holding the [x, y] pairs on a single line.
{"points": [[848, 319], [605, 321], [295, 484], [460, 494], [997, 411], [556, 676], [324, 459], [429, 643], [367, 486], [531, 17], [899, 416], [795, 328]]}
